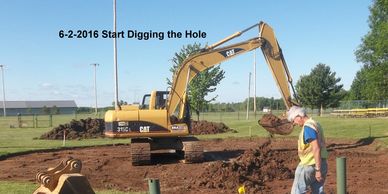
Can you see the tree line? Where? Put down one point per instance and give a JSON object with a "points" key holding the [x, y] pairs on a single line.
{"points": [[261, 103]]}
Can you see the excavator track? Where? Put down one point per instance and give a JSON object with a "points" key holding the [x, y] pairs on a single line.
{"points": [[193, 151], [140, 153]]}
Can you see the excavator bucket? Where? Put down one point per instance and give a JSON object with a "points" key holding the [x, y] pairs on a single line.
{"points": [[64, 178], [276, 125]]}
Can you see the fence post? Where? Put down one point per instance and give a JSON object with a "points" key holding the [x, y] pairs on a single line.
{"points": [[370, 131], [19, 120], [64, 138], [154, 186], [51, 120], [33, 120], [36, 121], [341, 175]]}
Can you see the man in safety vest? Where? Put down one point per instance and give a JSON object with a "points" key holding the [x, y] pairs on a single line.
{"points": [[312, 169]]}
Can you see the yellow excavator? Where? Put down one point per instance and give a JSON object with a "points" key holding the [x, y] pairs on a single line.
{"points": [[162, 121]]}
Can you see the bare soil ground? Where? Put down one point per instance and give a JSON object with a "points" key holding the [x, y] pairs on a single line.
{"points": [[262, 166]]}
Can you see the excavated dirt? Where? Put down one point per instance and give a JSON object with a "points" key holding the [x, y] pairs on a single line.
{"points": [[94, 128], [275, 125], [206, 127], [82, 129], [260, 166], [253, 169]]}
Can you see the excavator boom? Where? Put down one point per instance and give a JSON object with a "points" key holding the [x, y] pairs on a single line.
{"points": [[212, 55]]}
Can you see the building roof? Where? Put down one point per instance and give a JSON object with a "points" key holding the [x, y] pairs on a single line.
{"points": [[39, 104]]}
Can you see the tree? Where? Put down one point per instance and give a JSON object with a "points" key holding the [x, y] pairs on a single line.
{"points": [[320, 89], [204, 83], [371, 82], [356, 89], [55, 110], [121, 102], [46, 110], [374, 47]]}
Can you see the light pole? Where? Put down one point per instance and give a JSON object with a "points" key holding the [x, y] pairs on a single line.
{"points": [[254, 82], [117, 107], [95, 84], [2, 77], [249, 94]]}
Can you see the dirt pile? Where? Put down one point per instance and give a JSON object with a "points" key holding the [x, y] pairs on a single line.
{"points": [[93, 128], [253, 169], [276, 125], [82, 129], [206, 127]]}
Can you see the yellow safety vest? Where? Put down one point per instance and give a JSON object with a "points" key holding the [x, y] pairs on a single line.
{"points": [[305, 151]]}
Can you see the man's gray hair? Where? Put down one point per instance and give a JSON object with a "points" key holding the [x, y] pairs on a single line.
{"points": [[294, 112]]}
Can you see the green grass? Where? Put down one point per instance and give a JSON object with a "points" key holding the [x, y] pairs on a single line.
{"points": [[348, 128], [13, 140], [12, 187]]}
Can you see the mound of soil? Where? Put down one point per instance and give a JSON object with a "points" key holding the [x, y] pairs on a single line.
{"points": [[82, 129], [275, 125], [206, 127], [93, 128], [252, 170]]}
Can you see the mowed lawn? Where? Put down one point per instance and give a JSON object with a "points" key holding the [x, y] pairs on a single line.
{"points": [[14, 140], [335, 127]]}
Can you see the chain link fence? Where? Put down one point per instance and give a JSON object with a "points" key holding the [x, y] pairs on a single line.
{"points": [[43, 120]]}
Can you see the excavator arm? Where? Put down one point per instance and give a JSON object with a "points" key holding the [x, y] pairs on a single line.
{"points": [[212, 55]]}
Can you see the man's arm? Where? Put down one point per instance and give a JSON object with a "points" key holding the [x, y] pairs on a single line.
{"points": [[317, 158]]}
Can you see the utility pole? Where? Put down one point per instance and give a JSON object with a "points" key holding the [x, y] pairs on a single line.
{"points": [[249, 94], [115, 58], [95, 85], [254, 82], [2, 77]]}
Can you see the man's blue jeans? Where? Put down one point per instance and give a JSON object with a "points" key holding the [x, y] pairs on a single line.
{"points": [[305, 177]]}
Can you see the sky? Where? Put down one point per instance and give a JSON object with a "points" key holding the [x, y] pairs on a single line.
{"points": [[40, 65]]}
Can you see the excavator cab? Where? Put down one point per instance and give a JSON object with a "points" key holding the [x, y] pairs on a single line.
{"points": [[155, 100]]}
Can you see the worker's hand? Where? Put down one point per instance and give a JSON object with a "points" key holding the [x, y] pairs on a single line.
{"points": [[318, 176]]}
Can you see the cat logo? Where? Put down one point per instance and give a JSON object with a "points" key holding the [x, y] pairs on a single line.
{"points": [[144, 129]]}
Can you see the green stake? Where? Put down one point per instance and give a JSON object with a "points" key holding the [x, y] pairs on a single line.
{"points": [[154, 186], [341, 175]]}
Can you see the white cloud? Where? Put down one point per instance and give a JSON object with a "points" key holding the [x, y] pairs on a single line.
{"points": [[46, 85], [55, 92]]}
